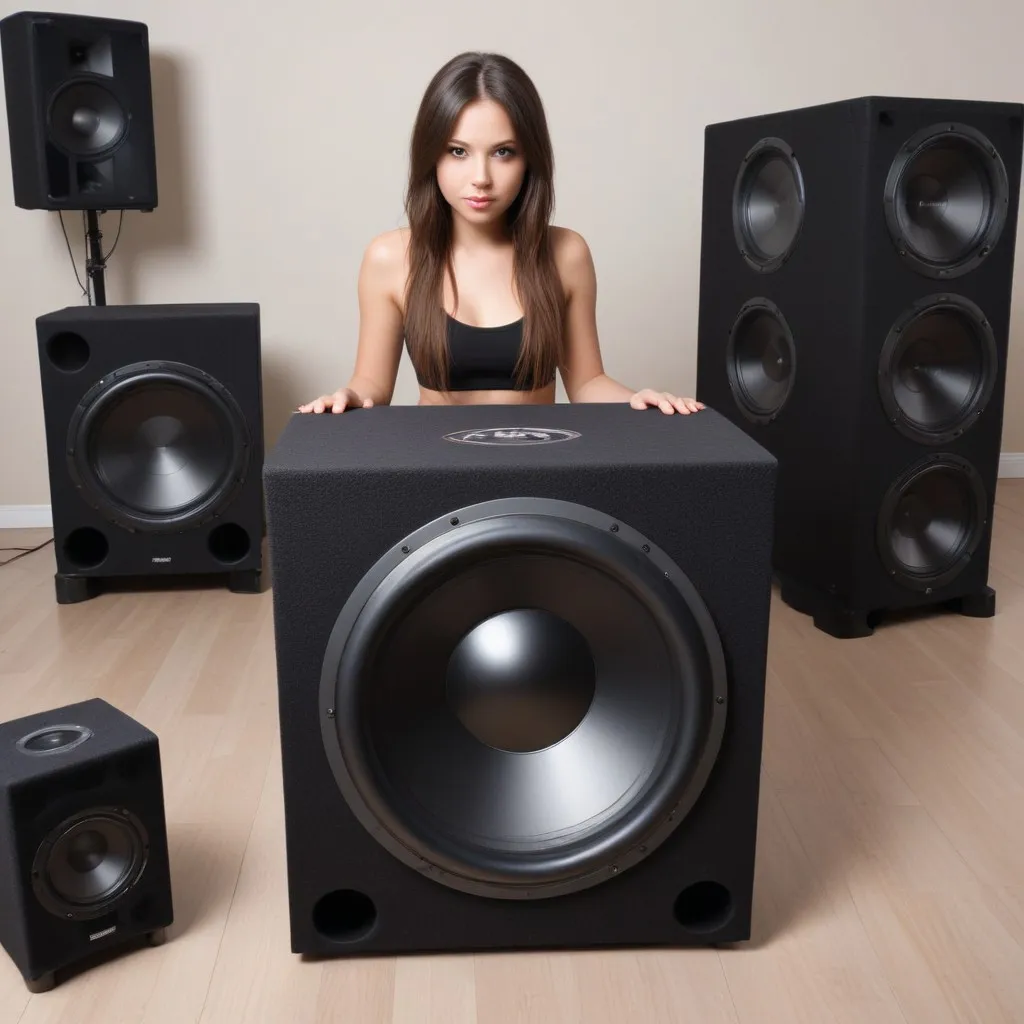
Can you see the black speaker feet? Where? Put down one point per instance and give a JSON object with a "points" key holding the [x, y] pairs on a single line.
{"points": [[245, 581], [157, 937], [979, 605], [72, 589], [44, 983], [828, 612]]}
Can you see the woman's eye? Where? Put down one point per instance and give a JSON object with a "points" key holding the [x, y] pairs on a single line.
{"points": [[456, 150]]}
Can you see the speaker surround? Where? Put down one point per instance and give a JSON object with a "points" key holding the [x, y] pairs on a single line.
{"points": [[524, 706]]}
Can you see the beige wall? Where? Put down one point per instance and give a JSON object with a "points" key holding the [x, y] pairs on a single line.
{"points": [[282, 136]]}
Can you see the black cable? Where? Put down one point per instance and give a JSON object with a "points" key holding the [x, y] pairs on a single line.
{"points": [[24, 552], [60, 213], [120, 221]]}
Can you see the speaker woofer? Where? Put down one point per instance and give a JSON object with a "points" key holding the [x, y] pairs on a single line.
{"points": [[760, 360], [86, 119], [931, 521], [937, 368], [88, 863], [946, 199], [158, 445], [768, 204], [485, 718]]}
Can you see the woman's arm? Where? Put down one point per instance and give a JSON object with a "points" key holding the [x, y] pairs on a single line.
{"points": [[583, 374], [379, 347]]}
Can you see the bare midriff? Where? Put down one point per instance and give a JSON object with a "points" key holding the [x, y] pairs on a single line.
{"points": [[542, 396]]}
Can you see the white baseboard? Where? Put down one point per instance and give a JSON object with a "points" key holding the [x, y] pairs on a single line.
{"points": [[1011, 464], [20, 517]]}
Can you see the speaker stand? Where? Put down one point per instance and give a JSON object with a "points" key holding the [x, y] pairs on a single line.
{"points": [[95, 264], [73, 589], [828, 612]]}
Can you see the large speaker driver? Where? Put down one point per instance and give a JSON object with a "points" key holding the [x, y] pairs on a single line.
{"points": [[760, 360], [937, 369], [768, 204], [931, 520], [158, 445], [504, 647], [946, 199]]}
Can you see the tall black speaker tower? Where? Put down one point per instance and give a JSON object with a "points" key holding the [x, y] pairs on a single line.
{"points": [[856, 272]]}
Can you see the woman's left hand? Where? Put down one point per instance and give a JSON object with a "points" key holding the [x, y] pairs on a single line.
{"points": [[666, 402]]}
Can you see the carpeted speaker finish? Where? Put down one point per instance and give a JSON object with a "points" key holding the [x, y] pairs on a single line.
{"points": [[84, 867], [521, 661]]}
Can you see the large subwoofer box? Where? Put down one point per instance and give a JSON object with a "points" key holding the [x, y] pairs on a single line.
{"points": [[521, 666]]}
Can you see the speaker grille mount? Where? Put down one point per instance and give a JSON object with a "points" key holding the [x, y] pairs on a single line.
{"points": [[486, 720], [937, 369], [931, 521], [768, 204], [760, 360], [946, 199], [158, 445]]}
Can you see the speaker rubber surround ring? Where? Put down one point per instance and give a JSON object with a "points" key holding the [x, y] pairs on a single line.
{"points": [[896, 570], [989, 357], [759, 414], [84, 733], [60, 907], [782, 150], [180, 375], [1000, 197], [406, 847]]}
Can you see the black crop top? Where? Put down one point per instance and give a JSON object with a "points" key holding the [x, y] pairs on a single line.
{"points": [[484, 358]]}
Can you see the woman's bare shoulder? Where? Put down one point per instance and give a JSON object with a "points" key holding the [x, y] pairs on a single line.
{"points": [[386, 264], [572, 257]]}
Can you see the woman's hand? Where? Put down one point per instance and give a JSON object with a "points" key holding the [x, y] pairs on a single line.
{"points": [[666, 402], [342, 399]]}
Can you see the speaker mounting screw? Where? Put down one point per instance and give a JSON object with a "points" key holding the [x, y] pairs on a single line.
{"points": [[615, 527], [454, 520], [405, 549], [330, 712], [719, 700], [647, 549]]}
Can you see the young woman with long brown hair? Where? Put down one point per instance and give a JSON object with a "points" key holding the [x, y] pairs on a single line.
{"points": [[490, 299]]}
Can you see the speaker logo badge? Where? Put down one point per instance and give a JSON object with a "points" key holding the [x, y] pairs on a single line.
{"points": [[512, 436]]}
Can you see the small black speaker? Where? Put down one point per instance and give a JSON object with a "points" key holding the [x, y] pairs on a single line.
{"points": [[79, 112], [521, 668], [154, 433], [83, 839], [856, 274]]}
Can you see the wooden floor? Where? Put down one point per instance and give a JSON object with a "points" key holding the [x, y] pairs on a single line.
{"points": [[890, 878]]}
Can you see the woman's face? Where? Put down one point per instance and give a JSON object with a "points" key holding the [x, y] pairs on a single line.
{"points": [[482, 159]]}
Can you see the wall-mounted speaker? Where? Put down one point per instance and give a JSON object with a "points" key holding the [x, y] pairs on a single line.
{"points": [[521, 668], [79, 112], [856, 274], [83, 839], [154, 433]]}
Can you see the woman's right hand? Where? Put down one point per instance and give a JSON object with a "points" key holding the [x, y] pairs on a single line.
{"points": [[342, 399]]}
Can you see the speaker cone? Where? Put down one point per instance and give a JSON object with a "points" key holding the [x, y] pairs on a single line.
{"points": [[158, 445], [760, 360], [86, 119], [946, 199], [768, 204], [89, 862], [937, 368], [523, 698], [931, 521]]}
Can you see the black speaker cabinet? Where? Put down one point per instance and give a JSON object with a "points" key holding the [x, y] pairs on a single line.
{"points": [[855, 283], [521, 665], [83, 839], [79, 112], [154, 434]]}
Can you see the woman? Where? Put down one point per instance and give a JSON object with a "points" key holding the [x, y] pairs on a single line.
{"points": [[490, 299]]}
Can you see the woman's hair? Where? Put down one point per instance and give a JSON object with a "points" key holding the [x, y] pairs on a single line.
{"points": [[465, 78]]}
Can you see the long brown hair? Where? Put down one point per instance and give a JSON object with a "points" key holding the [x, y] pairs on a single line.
{"points": [[467, 77]]}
